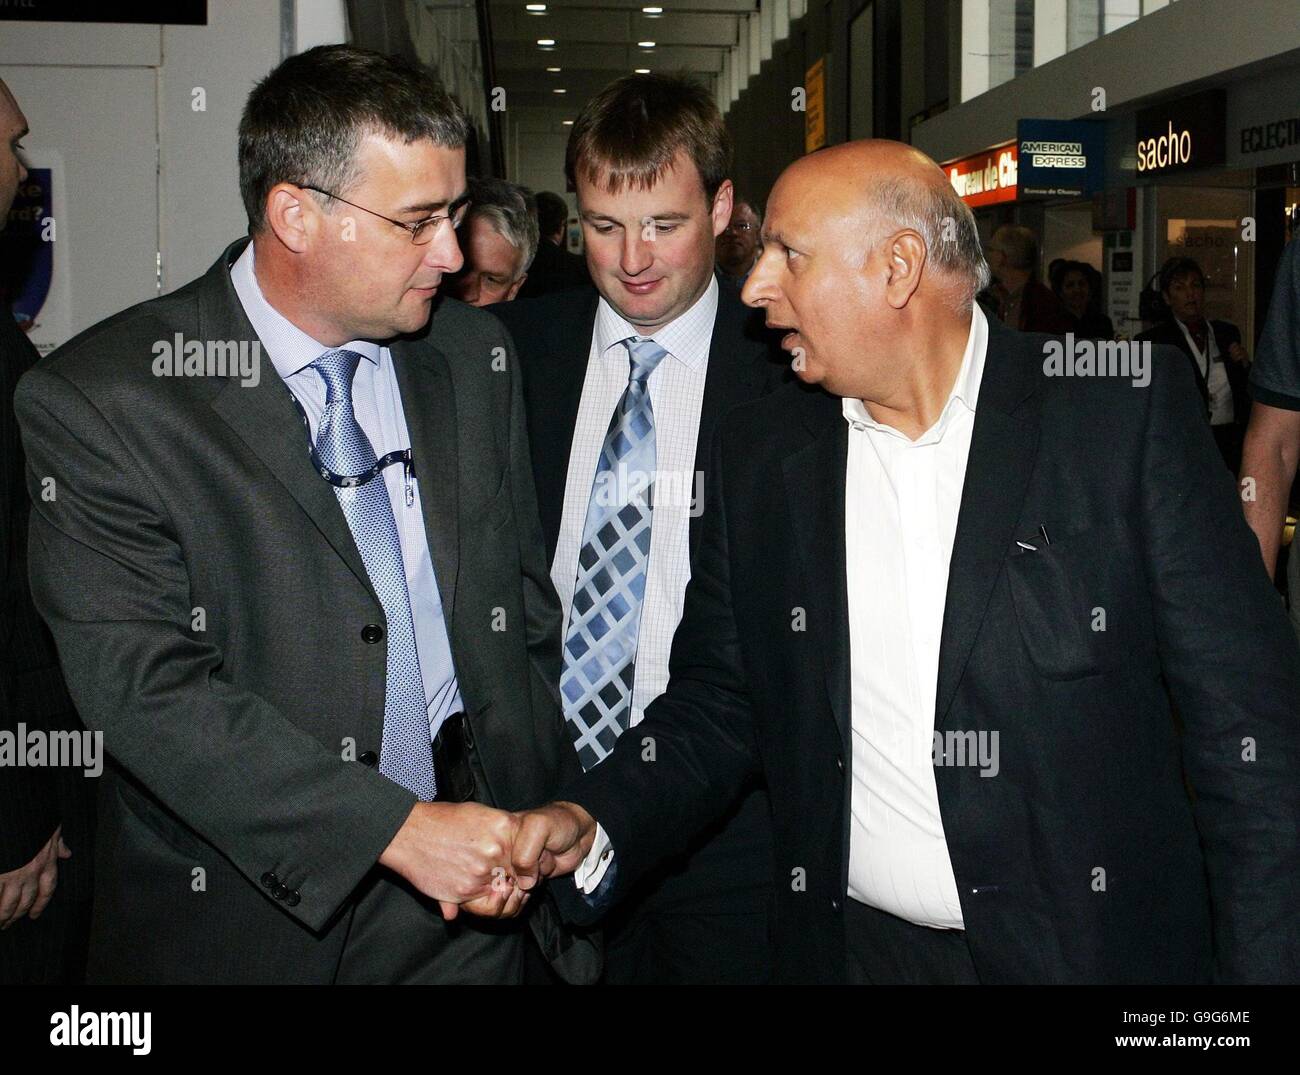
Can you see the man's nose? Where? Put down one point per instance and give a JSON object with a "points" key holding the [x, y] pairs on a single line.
{"points": [[638, 252], [444, 252], [760, 288]]}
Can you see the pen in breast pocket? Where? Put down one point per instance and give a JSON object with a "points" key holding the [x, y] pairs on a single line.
{"points": [[1043, 530]]}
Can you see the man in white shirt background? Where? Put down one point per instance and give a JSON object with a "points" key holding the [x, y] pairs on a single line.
{"points": [[1214, 350], [944, 604]]}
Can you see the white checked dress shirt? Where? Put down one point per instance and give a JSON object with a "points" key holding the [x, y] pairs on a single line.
{"points": [[1213, 369], [900, 519], [377, 403], [677, 395]]}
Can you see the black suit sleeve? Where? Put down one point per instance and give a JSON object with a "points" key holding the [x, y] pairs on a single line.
{"points": [[542, 612], [1233, 670], [112, 582], [684, 765]]}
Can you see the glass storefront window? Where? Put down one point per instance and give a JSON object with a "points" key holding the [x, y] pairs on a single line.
{"points": [[1205, 223]]}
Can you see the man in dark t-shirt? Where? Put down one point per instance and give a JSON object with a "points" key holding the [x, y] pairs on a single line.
{"points": [[1272, 443]]}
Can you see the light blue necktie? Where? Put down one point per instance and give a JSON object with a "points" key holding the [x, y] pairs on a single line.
{"points": [[600, 643], [406, 756]]}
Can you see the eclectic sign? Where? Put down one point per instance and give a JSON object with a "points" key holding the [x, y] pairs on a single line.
{"points": [[1059, 157], [1264, 121], [1183, 134], [985, 178]]}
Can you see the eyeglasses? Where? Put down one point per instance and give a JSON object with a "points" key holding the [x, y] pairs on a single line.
{"points": [[422, 231], [744, 225]]}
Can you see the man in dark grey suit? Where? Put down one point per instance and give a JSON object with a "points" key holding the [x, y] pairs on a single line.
{"points": [[286, 537]]}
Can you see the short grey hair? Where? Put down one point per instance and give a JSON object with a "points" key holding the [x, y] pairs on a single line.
{"points": [[944, 222], [506, 209]]}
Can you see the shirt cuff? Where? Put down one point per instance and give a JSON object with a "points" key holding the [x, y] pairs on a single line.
{"points": [[1282, 400], [591, 871]]}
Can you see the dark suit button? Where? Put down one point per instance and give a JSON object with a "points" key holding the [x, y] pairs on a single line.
{"points": [[835, 904], [280, 891], [369, 758], [293, 899], [839, 764], [372, 633], [269, 880]]}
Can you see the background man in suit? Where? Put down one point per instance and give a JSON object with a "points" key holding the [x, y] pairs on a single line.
{"points": [[554, 268], [937, 603], [1023, 301], [649, 228], [737, 246], [44, 811], [288, 644], [1213, 349], [498, 241]]}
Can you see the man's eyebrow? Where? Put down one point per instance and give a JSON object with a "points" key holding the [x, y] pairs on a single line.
{"points": [[771, 235], [433, 207], [589, 215]]}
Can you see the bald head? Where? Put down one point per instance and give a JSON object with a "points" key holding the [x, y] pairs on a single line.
{"points": [[869, 256], [879, 187], [13, 126]]}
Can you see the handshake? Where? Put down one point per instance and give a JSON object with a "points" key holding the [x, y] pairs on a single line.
{"points": [[487, 860]]}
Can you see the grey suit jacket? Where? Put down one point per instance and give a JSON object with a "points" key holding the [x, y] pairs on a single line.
{"points": [[208, 603]]}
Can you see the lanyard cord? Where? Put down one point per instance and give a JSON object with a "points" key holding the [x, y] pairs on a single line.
{"points": [[351, 481]]}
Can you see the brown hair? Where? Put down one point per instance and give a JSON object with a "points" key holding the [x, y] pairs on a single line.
{"points": [[632, 129]]}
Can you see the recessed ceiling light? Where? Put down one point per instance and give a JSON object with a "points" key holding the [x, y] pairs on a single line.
{"points": [[553, 70], [641, 71], [568, 123], [652, 10], [645, 44], [559, 90], [534, 7], [546, 42]]}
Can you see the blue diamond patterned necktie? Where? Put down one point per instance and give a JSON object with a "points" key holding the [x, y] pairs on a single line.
{"points": [[600, 642], [406, 755]]}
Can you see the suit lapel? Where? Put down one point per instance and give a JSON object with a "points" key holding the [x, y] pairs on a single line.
{"points": [[734, 375], [1004, 447], [429, 404], [264, 417], [555, 391], [813, 474]]}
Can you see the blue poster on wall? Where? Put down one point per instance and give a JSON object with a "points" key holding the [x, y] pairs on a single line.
{"points": [[28, 260], [1060, 158]]}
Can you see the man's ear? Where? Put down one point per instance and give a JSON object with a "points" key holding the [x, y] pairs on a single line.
{"points": [[905, 261], [289, 216], [514, 288], [722, 204]]}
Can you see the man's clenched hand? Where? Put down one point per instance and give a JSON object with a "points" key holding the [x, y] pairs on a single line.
{"points": [[459, 854], [551, 840]]}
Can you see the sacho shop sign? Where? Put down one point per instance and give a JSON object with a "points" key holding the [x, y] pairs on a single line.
{"points": [[1184, 134], [985, 178]]}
